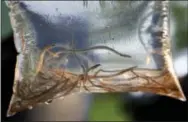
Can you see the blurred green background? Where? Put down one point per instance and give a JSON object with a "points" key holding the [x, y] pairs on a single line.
{"points": [[6, 29], [179, 13], [107, 107]]}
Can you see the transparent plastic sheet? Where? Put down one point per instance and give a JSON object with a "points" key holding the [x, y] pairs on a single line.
{"points": [[68, 47]]}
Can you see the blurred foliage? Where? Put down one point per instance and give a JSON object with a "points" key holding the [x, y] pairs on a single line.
{"points": [[180, 14], [107, 107], [6, 29]]}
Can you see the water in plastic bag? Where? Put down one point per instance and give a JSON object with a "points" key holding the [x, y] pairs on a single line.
{"points": [[68, 47]]}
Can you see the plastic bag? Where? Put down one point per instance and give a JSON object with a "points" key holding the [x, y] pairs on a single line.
{"points": [[68, 47]]}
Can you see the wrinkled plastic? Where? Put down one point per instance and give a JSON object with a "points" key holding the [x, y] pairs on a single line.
{"points": [[68, 47]]}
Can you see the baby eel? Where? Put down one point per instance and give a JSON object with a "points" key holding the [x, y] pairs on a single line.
{"points": [[92, 48], [47, 49]]}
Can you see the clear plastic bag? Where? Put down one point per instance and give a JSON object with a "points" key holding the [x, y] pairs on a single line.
{"points": [[68, 47]]}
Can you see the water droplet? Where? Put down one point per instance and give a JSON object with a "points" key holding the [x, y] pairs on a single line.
{"points": [[61, 98], [30, 107], [48, 102]]}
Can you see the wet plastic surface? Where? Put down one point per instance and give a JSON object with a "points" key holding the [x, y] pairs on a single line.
{"points": [[68, 47]]}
